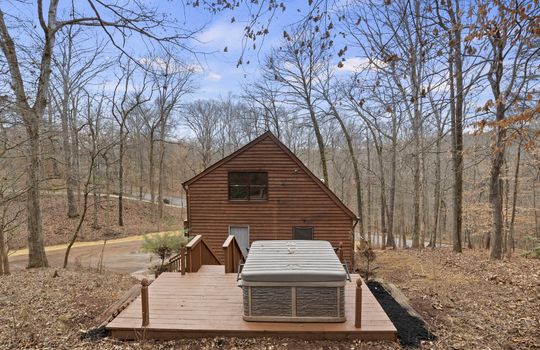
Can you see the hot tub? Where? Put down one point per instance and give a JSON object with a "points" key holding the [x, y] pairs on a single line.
{"points": [[293, 281]]}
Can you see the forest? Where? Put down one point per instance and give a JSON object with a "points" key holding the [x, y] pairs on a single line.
{"points": [[422, 116]]}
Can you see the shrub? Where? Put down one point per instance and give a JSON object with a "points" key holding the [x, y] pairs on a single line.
{"points": [[534, 253], [367, 256], [164, 245]]}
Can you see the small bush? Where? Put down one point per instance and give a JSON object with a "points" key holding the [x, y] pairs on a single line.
{"points": [[367, 256], [533, 253], [164, 245]]}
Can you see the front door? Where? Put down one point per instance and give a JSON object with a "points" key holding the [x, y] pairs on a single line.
{"points": [[241, 234]]}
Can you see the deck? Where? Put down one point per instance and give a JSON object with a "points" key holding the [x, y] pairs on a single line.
{"points": [[208, 303]]}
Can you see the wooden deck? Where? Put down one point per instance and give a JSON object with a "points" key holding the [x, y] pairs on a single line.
{"points": [[209, 303]]}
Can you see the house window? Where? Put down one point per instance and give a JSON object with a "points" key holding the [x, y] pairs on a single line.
{"points": [[302, 232], [248, 185]]}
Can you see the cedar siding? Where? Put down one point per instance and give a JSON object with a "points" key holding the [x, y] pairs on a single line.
{"points": [[295, 198]]}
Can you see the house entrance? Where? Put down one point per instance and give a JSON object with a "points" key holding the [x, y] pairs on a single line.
{"points": [[241, 233]]}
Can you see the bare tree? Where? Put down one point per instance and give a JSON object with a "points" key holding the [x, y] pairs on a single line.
{"points": [[93, 125], [127, 97], [265, 94], [334, 96], [31, 98], [202, 117], [507, 26], [11, 194], [172, 80], [74, 67], [295, 66]]}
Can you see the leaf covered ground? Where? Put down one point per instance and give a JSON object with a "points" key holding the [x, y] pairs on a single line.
{"points": [[468, 301], [58, 229]]}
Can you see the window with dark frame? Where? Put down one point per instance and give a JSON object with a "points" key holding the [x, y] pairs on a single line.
{"points": [[248, 185], [304, 233]]}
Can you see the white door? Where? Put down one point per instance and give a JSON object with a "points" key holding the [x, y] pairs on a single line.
{"points": [[241, 234]]}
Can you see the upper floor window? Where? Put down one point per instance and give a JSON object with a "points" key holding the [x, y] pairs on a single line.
{"points": [[302, 232], [248, 185]]}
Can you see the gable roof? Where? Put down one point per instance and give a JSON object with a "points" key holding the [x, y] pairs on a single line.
{"points": [[292, 156]]}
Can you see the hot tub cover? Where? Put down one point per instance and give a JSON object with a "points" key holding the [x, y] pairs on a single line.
{"points": [[292, 261]]}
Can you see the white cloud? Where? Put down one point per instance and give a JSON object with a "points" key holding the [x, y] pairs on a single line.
{"points": [[223, 34], [213, 76], [357, 64], [172, 66]]}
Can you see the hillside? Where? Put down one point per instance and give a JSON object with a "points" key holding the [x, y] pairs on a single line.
{"points": [[468, 303], [58, 228]]}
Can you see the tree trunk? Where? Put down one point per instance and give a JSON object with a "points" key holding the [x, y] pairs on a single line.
{"points": [[4, 261], [97, 196], [437, 190], [141, 169], [67, 146], [151, 169], [121, 178], [76, 163], [390, 241], [455, 70], [357, 178], [536, 219], [510, 243], [384, 209], [497, 149], [320, 143], [36, 249], [417, 188], [107, 188], [506, 201], [369, 199], [84, 210], [424, 203], [496, 188], [443, 221], [161, 171]]}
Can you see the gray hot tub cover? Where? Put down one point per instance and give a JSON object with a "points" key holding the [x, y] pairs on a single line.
{"points": [[292, 261]]}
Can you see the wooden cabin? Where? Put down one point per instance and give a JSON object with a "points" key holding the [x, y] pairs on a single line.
{"points": [[263, 191]]}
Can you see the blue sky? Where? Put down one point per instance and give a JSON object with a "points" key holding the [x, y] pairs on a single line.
{"points": [[218, 74]]}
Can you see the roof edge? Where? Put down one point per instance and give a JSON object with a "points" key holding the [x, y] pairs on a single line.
{"points": [[228, 158], [281, 145]]}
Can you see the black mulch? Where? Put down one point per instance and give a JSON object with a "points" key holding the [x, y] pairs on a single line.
{"points": [[95, 333], [411, 330]]}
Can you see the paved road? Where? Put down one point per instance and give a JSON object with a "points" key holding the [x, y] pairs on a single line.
{"points": [[175, 202], [122, 255]]}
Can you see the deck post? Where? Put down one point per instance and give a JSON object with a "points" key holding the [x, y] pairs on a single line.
{"points": [[341, 251], [144, 301], [358, 306], [183, 260]]}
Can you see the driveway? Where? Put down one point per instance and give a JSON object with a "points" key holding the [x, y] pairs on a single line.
{"points": [[121, 255]]}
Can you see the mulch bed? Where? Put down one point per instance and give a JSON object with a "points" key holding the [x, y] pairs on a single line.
{"points": [[411, 330]]}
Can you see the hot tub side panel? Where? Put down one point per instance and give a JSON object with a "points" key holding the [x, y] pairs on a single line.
{"points": [[294, 304]]}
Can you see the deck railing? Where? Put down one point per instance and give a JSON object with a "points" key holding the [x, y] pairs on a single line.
{"points": [[358, 306], [198, 254], [191, 257], [145, 308], [177, 263], [233, 254]]}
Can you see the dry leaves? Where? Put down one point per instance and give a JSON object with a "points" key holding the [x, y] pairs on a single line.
{"points": [[57, 229], [469, 301]]}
